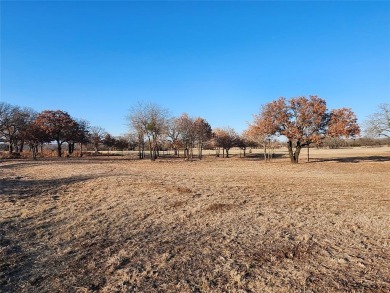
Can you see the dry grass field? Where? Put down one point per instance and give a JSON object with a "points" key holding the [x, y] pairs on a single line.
{"points": [[216, 225]]}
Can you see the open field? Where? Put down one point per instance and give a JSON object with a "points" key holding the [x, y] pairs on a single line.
{"points": [[216, 225]]}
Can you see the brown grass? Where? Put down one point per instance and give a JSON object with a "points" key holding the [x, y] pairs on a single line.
{"points": [[217, 225]]}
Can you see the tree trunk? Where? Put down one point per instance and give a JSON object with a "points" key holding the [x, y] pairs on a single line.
{"points": [[200, 152], [269, 150], [192, 152], [155, 152], [265, 151], [140, 152], [70, 147], [291, 153], [34, 149], [227, 153], [59, 149], [21, 145], [294, 155], [151, 150]]}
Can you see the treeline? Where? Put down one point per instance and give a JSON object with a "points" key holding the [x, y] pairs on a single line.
{"points": [[364, 141], [21, 127], [24, 127], [152, 126], [303, 121]]}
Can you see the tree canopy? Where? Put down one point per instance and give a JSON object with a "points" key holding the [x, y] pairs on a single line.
{"points": [[303, 121]]}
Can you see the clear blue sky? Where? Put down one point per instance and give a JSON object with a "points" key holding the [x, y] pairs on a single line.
{"points": [[218, 60]]}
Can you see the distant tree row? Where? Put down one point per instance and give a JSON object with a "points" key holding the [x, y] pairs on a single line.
{"points": [[302, 121], [24, 126], [152, 126]]}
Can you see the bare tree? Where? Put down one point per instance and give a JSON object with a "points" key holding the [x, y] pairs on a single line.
{"points": [[96, 136], [14, 121], [132, 140], [149, 120], [187, 134], [173, 134], [137, 122], [6, 131], [379, 122]]}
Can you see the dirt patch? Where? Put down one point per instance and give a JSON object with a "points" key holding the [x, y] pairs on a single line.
{"points": [[219, 207]]}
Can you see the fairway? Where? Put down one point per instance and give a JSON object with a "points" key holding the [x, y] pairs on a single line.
{"points": [[113, 224]]}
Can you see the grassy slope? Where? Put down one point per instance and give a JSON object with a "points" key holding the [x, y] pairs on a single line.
{"points": [[215, 225]]}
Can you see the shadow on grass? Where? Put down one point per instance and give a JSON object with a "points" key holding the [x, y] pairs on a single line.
{"points": [[15, 164], [18, 187], [260, 157], [354, 159]]}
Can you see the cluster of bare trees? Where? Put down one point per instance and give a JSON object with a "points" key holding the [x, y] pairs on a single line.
{"points": [[24, 126], [303, 121], [14, 125], [154, 128]]}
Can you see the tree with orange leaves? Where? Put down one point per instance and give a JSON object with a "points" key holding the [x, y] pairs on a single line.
{"points": [[303, 121], [262, 129], [343, 122], [58, 126], [225, 138]]}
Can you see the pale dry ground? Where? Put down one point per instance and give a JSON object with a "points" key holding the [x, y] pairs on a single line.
{"points": [[217, 225]]}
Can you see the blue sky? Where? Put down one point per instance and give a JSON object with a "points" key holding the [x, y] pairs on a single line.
{"points": [[218, 60]]}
